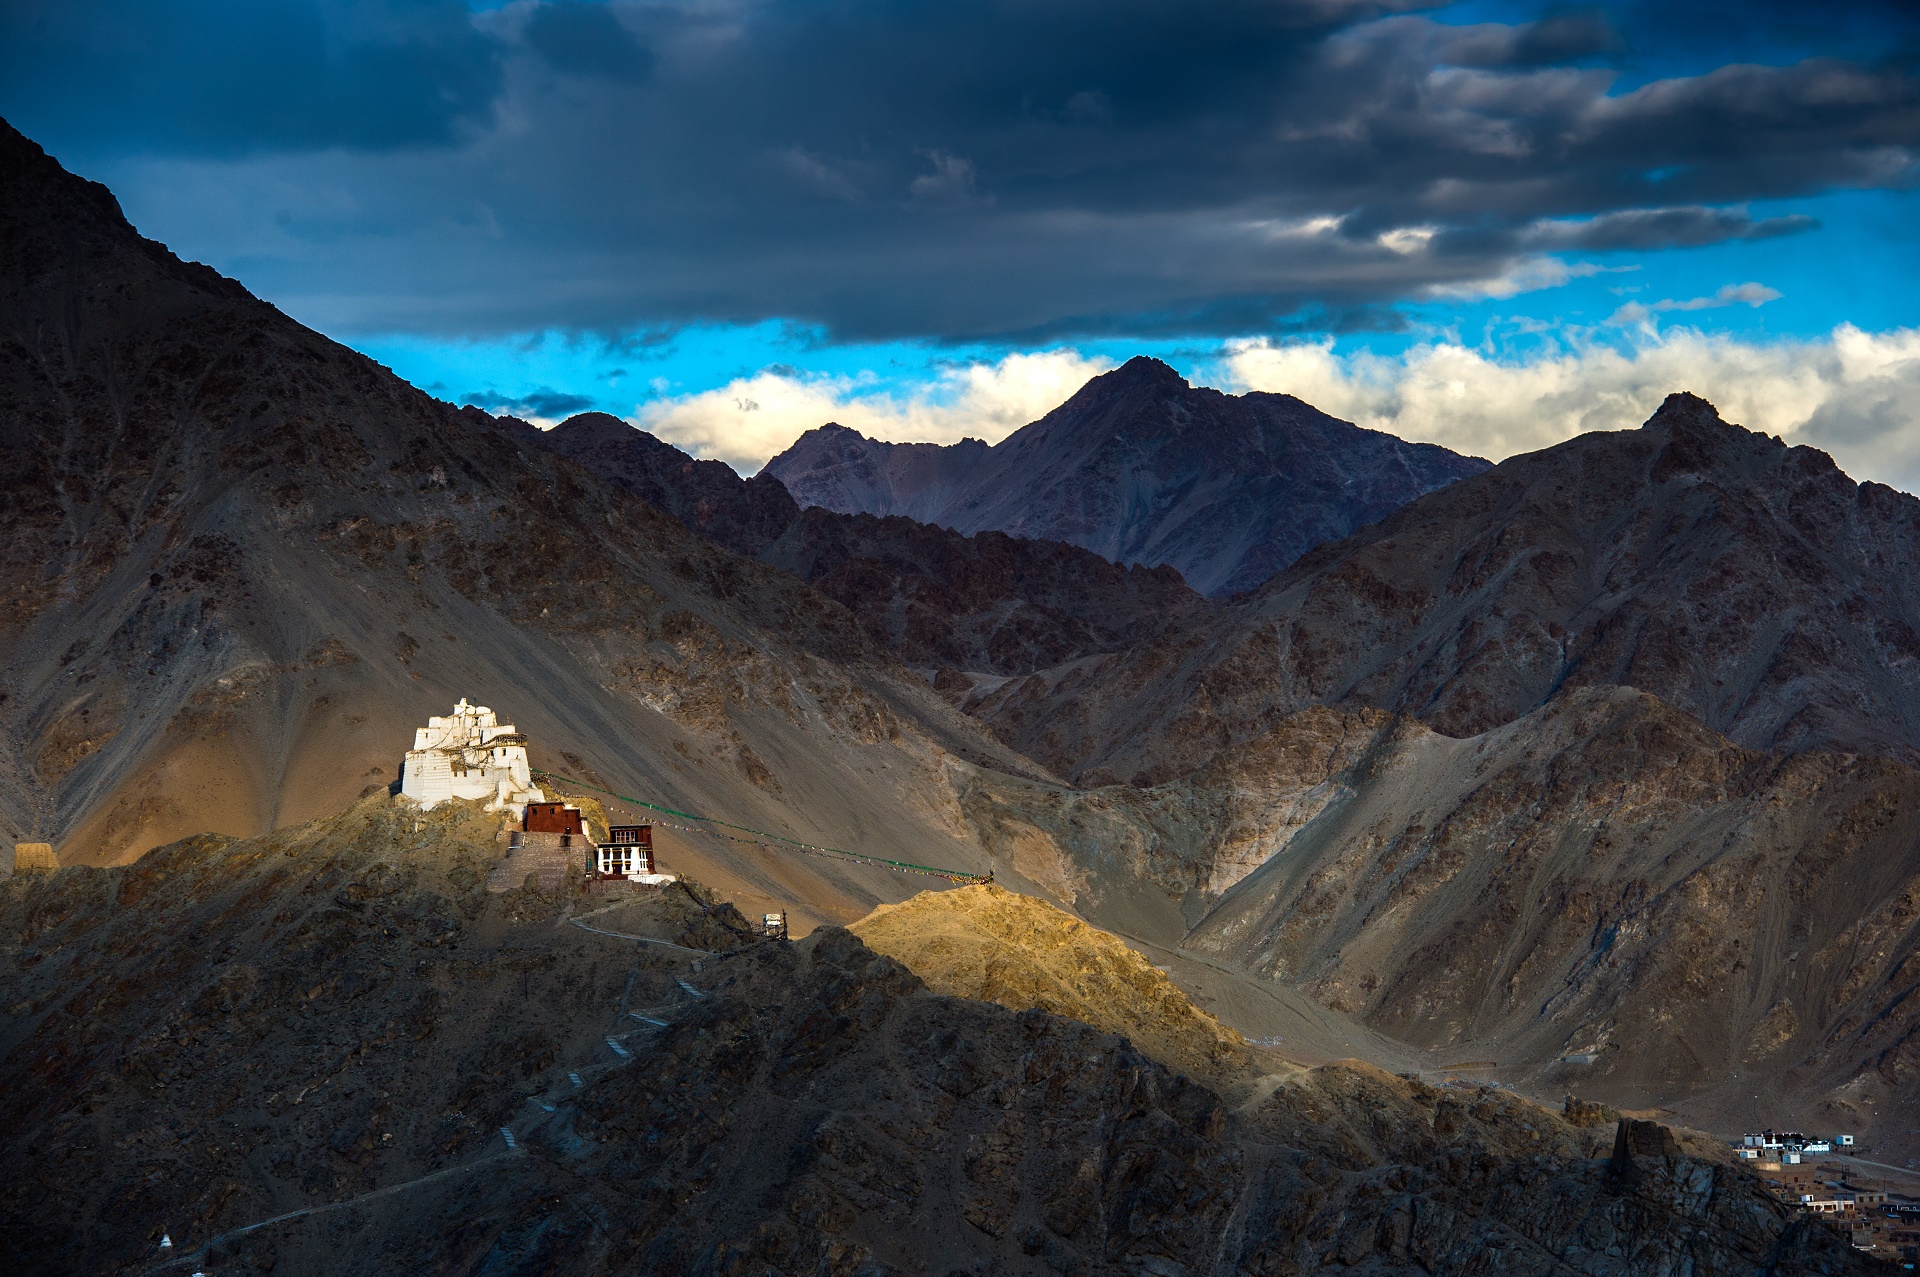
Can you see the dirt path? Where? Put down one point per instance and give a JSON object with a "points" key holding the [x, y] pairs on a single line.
{"points": [[200, 1256], [509, 1136]]}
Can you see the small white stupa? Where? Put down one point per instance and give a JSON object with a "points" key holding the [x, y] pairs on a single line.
{"points": [[470, 754]]}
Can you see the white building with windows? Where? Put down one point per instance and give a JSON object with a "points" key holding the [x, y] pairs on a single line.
{"points": [[470, 754]]}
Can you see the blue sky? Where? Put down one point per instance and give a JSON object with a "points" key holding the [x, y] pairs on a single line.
{"points": [[727, 220]]}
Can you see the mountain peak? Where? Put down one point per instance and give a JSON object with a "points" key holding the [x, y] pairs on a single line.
{"points": [[1145, 370], [1682, 410], [593, 419]]}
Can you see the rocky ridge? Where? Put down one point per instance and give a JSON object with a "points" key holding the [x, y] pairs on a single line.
{"points": [[978, 607], [993, 945], [1748, 583], [1140, 467], [230, 1031]]}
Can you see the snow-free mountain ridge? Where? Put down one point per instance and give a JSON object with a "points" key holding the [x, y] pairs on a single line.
{"points": [[1140, 467]]}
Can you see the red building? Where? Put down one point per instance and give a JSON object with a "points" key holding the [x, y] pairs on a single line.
{"points": [[554, 818]]}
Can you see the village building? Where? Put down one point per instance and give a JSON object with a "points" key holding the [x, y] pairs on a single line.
{"points": [[470, 754], [555, 837], [627, 853]]}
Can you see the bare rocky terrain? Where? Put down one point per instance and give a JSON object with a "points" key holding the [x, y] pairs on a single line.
{"points": [[1750, 584], [339, 1015], [979, 607], [1604, 896], [243, 563], [1598, 765], [1140, 467]]}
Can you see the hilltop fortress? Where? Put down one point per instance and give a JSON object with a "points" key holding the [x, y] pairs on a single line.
{"points": [[470, 754]]}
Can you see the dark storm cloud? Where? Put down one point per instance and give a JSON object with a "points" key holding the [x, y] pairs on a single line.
{"points": [[213, 76], [587, 39], [981, 168], [545, 403], [1656, 228]]}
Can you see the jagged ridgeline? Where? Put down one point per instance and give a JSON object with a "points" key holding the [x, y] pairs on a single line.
{"points": [[331, 1049]]}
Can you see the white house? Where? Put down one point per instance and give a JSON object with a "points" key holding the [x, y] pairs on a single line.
{"points": [[470, 754]]}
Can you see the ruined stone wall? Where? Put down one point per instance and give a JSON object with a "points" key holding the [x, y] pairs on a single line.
{"points": [[29, 858]]}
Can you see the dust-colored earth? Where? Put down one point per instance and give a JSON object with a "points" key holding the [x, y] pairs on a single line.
{"points": [[329, 1049]]}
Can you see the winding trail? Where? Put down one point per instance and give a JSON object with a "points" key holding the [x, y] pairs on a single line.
{"points": [[206, 1248], [513, 1150]]}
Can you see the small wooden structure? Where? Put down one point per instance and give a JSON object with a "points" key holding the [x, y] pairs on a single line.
{"points": [[775, 925]]}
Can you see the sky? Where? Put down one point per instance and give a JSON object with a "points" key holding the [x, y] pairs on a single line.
{"points": [[1486, 224]]}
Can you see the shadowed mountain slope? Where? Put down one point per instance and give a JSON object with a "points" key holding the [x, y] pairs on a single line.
{"points": [[989, 604], [242, 563], [1748, 583], [1140, 467], [1603, 895], [230, 1032], [745, 515]]}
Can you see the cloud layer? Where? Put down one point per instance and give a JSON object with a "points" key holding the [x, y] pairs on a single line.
{"points": [[888, 169], [750, 419], [1853, 394]]}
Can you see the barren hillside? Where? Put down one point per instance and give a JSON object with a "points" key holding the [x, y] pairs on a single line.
{"points": [[1603, 895], [338, 1017], [1750, 584], [244, 562]]}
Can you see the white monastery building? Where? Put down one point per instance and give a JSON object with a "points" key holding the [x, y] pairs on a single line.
{"points": [[470, 754]]}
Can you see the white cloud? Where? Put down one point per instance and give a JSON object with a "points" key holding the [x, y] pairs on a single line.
{"points": [[1854, 394], [1729, 295], [1528, 275], [750, 419]]}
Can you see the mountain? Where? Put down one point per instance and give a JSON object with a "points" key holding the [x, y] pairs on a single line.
{"points": [[744, 515], [1603, 895], [993, 945], [1140, 467], [1605, 755], [1748, 583], [243, 563], [329, 1049], [972, 609]]}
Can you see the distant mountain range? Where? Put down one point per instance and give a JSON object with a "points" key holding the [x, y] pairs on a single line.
{"points": [[1140, 467], [1746, 582], [942, 601]]}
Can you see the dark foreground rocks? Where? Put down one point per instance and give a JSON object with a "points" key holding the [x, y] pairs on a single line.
{"points": [[232, 1031]]}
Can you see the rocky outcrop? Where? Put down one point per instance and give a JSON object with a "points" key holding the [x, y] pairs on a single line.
{"points": [[993, 945], [1140, 467], [1604, 894], [1748, 583], [232, 1032]]}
